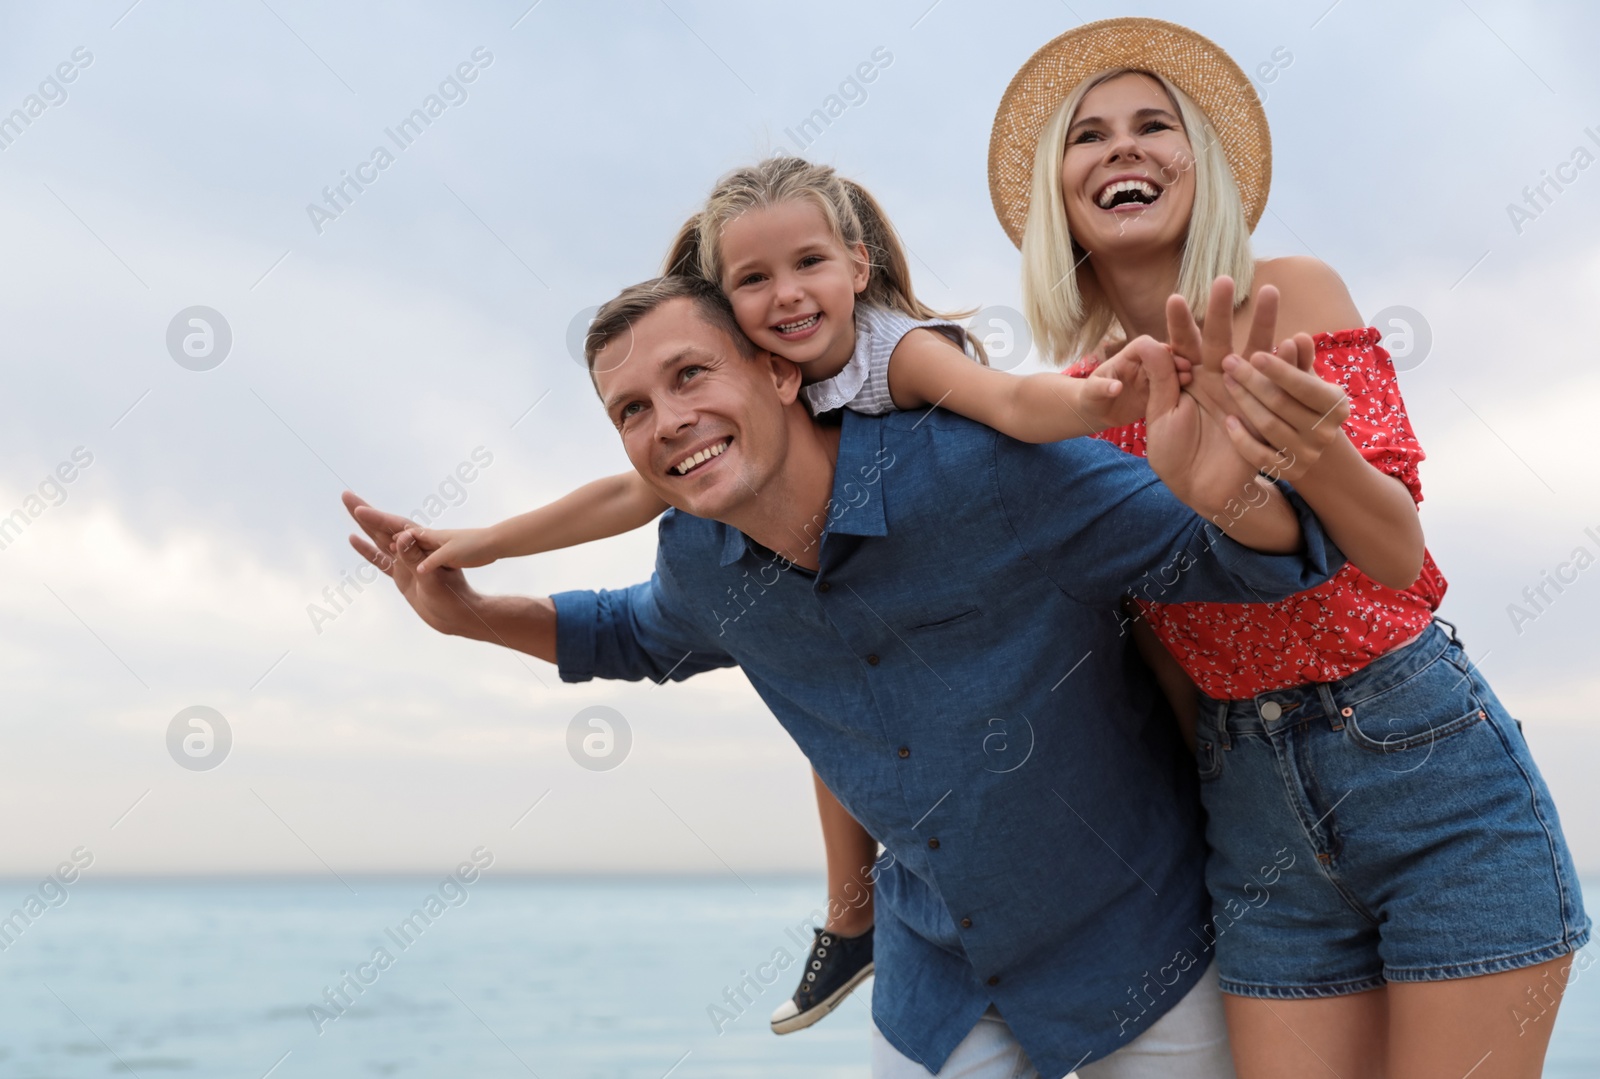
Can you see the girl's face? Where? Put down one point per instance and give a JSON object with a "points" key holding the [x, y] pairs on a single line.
{"points": [[792, 283], [1127, 174]]}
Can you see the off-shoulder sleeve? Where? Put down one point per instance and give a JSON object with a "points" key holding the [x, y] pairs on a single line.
{"points": [[1378, 425]]}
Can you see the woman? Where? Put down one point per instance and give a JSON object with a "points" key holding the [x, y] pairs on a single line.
{"points": [[1426, 917]]}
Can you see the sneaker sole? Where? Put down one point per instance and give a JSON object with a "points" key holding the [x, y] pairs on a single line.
{"points": [[807, 1018]]}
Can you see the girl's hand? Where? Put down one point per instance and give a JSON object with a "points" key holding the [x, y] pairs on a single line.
{"points": [[1117, 392], [1296, 413], [455, 548]]}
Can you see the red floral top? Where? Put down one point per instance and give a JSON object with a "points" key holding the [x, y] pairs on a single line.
{"points": [[1238, 650]]}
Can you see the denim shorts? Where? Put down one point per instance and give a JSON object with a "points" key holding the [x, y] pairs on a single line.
{"points": [[1389, 826]]}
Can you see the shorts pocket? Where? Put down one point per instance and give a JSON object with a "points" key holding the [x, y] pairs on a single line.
{"points": [[1434, 703]]}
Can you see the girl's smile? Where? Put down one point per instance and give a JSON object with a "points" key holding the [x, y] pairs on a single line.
{"points": [[793, 285]]}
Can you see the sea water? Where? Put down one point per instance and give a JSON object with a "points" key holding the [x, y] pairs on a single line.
{"points": [[659, 978]]}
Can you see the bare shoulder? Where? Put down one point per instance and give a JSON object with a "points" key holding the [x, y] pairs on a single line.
{"points": [[1312, 296]]}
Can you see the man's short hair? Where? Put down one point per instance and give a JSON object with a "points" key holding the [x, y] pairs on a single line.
{"points": [[618, 315]]}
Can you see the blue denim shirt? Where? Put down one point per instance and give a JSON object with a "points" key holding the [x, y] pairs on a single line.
{"points": [[957, 673]]}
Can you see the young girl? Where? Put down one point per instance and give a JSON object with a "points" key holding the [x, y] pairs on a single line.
{"points": [[816, 275], [1391, 890]]}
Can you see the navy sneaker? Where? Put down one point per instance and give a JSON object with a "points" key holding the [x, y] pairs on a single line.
{"points": [[835, 966]]}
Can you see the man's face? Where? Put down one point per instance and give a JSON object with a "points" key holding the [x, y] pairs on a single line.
{"points": [[703, 425]]}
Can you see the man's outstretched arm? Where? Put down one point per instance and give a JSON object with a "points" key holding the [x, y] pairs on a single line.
{"points": [[443, 599]]}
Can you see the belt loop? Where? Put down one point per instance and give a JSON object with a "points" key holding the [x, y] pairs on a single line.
{"points": [[1222, 724], [1330, 707]]}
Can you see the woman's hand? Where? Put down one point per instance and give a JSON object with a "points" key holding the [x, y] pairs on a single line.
{"points": [[1293, 415], [1207, 349]]}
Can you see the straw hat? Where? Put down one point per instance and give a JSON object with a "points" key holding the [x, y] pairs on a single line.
{"points": [[1191, 62]]}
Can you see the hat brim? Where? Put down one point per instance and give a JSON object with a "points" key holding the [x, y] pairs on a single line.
{"points": [[1189, 61]]}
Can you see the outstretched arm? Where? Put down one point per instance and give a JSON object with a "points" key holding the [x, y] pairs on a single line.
{"points": [[598, 510], [926, 369], [443, 599]]}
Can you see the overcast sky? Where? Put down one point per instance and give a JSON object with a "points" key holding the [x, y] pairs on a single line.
{"points": [[384, 348]]}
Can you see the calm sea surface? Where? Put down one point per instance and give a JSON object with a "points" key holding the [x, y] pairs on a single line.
{"points": [[549, 977]]}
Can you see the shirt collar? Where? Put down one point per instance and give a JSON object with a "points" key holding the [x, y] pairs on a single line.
{"points": [[841, 389], [856, 505], [856, 508]]}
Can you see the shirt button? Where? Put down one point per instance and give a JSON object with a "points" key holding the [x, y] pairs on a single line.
{"points": [[1271, 711], [994, 979], [823, 586], [872, 661], [933, 844], [966, 923], [905, 751]]}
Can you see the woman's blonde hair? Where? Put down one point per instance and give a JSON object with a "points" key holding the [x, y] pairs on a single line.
{"points": [[854, 216], [1060, 295]]}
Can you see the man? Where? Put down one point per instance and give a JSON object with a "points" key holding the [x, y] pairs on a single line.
{"points": [[898, 590]]}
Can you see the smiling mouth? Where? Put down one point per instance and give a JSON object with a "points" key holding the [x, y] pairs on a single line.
{"points": [[799, 324], [695, 460], [1126, 192]]}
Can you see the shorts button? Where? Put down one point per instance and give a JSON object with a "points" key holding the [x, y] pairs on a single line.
{"points": [[1271, 711], [933, 844], [966, 923], [905, 751], [872, 661]]}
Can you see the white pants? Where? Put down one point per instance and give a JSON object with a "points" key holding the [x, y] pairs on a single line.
{"points": [[1189, 1042]]}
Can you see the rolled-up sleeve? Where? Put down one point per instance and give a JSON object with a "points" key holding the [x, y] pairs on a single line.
{"points": [[629, 634]]}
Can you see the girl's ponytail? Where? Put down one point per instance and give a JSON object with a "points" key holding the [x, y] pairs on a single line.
{"points": [[890, 282], [683, 258]]}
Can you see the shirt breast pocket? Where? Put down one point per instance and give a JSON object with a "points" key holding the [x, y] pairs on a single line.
{"points": [[939, 620]]}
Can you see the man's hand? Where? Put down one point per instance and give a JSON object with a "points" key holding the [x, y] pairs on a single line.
{"points": [[1194, 455], [441, 597]]}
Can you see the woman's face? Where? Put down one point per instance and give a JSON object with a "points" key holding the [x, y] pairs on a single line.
{"points": [[1127, 174]]}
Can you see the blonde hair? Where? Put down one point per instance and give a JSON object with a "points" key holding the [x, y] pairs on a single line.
{"points": [[854, 216], [1060, 296]]}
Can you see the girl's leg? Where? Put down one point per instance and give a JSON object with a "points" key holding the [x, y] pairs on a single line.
{"points": [[851, 852], [1328, 1037], [1496, 1026]]}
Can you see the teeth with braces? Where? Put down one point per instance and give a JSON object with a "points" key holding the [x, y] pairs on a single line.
{"points": [[703, 456]]}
